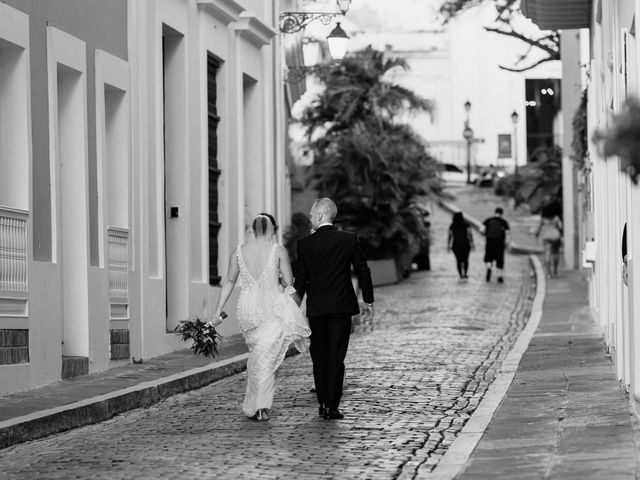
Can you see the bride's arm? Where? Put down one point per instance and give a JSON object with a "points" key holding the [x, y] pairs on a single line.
{"points": [[285, 267], [228, 283], [287, 274]]}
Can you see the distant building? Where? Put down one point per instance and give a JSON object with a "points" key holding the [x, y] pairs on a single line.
{"points": [[456, 62], [137, 140]]}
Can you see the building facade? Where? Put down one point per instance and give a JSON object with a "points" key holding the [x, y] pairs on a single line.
{"points": [[137, 140], [601, 201]]}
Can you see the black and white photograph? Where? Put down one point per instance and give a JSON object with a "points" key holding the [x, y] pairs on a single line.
{"points": [[319, 239]]}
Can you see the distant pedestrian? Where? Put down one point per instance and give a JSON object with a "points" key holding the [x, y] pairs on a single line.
{"points": [[461, 243], [497, 237], [550, 231]]}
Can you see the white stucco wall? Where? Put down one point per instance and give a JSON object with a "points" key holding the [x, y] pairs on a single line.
{"points": [[238, 35], [614, 200]]}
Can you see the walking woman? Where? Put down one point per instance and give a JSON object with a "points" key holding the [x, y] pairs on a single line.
{"points": [[550, 231], [461, 242], [269, 318]]}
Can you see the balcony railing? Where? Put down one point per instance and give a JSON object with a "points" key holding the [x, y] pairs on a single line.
{"points": [[13, 250], [118, 261]]}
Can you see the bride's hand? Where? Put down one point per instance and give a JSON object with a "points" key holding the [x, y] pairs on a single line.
{"points": [[220, 316], [296, 298]]}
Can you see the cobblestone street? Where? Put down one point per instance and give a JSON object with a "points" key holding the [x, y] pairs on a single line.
{"points": [[412, 383]]}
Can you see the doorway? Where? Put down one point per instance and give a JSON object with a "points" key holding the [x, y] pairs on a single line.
{"points": [[71, 154]]}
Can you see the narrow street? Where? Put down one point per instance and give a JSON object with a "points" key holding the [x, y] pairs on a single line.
{"points": [[411, 385], [143, 141]]}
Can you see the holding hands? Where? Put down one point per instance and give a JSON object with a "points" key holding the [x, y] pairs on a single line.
{"points": [[367, 311]]}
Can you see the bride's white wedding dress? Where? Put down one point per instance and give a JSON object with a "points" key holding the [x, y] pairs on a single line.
{"points": [[270, 322]]}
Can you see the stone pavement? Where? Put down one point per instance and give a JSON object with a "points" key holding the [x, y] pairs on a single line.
{"points": [[412, 383]]}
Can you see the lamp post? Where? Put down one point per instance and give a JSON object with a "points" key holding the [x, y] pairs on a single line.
{"points": [[514, 119], [467, 133]]}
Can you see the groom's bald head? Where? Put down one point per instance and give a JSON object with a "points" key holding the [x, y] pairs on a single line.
{"points": [[324, 210]]}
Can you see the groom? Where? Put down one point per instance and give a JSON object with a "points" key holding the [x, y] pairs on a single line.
{"points": [[323, 272]]}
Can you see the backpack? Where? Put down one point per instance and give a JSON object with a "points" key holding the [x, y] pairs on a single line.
{"points": [[494, 229]]}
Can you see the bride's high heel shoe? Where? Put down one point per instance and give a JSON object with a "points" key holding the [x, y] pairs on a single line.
{"points": [[261, 415]]}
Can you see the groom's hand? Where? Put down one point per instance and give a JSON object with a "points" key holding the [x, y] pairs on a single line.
{"points": [[296, 298], [367, 311]]}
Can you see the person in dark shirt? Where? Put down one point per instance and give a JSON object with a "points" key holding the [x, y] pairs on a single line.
{"points": [[497, 237], [461, 243]]}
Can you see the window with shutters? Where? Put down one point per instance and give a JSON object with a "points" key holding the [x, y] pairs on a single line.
{"points": [[213, 65]]}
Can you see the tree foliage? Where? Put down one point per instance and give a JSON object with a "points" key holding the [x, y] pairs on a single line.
{"points": [[507, 12], [539, 183], [373, 166], [579, 141]]}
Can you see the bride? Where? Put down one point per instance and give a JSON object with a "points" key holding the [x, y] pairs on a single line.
{"points": [[268, 316]]}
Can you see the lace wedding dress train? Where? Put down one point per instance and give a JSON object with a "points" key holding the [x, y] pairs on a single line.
{"points": [[270, 322]]}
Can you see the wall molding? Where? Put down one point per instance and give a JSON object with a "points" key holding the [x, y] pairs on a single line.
{"points": [[227, 11], [254, 30]]}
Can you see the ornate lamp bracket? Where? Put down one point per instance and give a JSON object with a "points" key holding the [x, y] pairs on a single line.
{"points": [[291, 22]]}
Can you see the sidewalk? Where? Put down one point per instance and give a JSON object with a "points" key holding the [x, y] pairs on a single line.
{"points": [[564, 416], [67, 404]]}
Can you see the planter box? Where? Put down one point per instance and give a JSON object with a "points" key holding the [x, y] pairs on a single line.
{"points": [[384, 272]]}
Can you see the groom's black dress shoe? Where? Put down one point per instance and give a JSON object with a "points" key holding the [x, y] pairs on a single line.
{"points": [[321, 409], [333, 414]]}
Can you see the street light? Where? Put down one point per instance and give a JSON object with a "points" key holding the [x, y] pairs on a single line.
{"points": [[514, 119], [338, 40], [467, 133]]}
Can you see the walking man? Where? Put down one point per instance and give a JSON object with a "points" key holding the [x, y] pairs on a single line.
{"points": [[323, 272], [497, 237]]}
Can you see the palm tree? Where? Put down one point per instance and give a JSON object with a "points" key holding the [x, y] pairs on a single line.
{"points": [[364, 158], [357, 91]]}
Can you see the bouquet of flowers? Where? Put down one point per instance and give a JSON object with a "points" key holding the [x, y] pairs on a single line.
{"points": [[203, 334]]}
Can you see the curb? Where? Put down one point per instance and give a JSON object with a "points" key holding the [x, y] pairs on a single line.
{"points": [[104, 407], [478, 225], [455, 459]]}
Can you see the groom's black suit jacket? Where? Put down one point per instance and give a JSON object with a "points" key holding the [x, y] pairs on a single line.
{"points": [[323, 272]]}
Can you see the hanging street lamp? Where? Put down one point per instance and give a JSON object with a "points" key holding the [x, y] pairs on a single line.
{"points": [[338, 41]]}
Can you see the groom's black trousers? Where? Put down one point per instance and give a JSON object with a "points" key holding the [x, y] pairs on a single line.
{"points": [[329, 343]]}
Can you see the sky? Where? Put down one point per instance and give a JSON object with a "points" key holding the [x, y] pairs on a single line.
{"points": [[395, 14]]}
